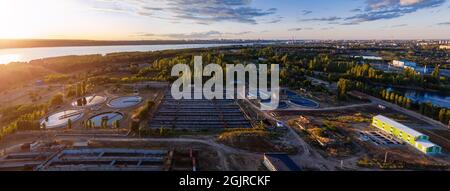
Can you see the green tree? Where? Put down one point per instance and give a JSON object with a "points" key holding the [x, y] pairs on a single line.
{"points": [[57, 100], [117, 124], [392, 97], [104, 123], [69, 123], [343, 87], [162, 130], [436, 72], [442, 115]]}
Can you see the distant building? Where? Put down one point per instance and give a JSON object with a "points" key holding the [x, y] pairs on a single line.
{"points": [[444, 47], [279, 162], [404, 64], [410, 136]]}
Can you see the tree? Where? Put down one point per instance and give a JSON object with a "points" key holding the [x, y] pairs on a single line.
{"points": [[83, 87], [343, 87], [57, 100], [71, 92], [284, 59], [104, 123], [69, 123], [117, 124], [442, 115], [79, 90], [392, 97], [162, 130], [436, 72], [408, 103], [447, 117], [134, 126], [404, 101], [84, 101]]}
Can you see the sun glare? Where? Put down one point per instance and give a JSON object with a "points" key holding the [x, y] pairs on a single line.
{"points": [[13, 18], [29, 19], [8, 58]]}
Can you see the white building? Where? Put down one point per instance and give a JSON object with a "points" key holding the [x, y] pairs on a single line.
{"points": [[444, 47], [404, 64]]}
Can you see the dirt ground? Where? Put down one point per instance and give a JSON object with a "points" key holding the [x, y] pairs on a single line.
{"points": [[402, 155], [21, 95]]}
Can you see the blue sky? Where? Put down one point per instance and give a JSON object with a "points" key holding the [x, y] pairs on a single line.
{"points": [[228, 19]]}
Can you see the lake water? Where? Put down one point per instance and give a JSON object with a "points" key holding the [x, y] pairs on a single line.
{"points": [[441, 99], [28, 54]]}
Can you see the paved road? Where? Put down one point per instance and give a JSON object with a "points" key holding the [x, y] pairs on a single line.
{"points": [[329, 108]]}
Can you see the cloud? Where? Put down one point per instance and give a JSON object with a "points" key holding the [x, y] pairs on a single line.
{"points": [[275, 20], [209, 11], [194, 35], [152, 8], [399, 25], [389, 9], [198, 11], [327, 28], [306, 12], [300, 29], [444, 23], [323, 19]]}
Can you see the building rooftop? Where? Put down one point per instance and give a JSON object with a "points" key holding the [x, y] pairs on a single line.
{"points": [[426, 143], [399, 126]]}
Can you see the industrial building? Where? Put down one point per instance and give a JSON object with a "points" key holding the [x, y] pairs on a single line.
{"points": [[444, 47], [82, 158], [406, 134], [404, 64], [199, 114], [279, 162], [107, 159]]}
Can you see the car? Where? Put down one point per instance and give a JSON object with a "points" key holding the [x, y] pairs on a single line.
{"points": [[381, 106]]}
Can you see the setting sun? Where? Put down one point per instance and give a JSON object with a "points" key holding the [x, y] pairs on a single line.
{"points": [[33, 19]]}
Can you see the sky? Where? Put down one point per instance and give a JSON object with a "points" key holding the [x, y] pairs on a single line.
{"points": [[224, 19]]}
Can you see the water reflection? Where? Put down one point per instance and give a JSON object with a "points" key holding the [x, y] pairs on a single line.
{"points": [[8, 58], [436, 98]]}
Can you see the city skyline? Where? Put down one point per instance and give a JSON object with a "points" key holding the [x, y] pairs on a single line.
{"points": [[227, 19]]}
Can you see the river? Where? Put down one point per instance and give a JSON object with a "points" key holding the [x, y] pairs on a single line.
{"points": [[28, 54]]}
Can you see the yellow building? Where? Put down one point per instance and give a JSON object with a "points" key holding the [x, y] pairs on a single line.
{"points": [[408, 135]]}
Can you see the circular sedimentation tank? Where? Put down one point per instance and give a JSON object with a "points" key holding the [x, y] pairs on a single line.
{"points": [[60, 119], [124, 102], [109, 117], [296, 99], [88, 101]]}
